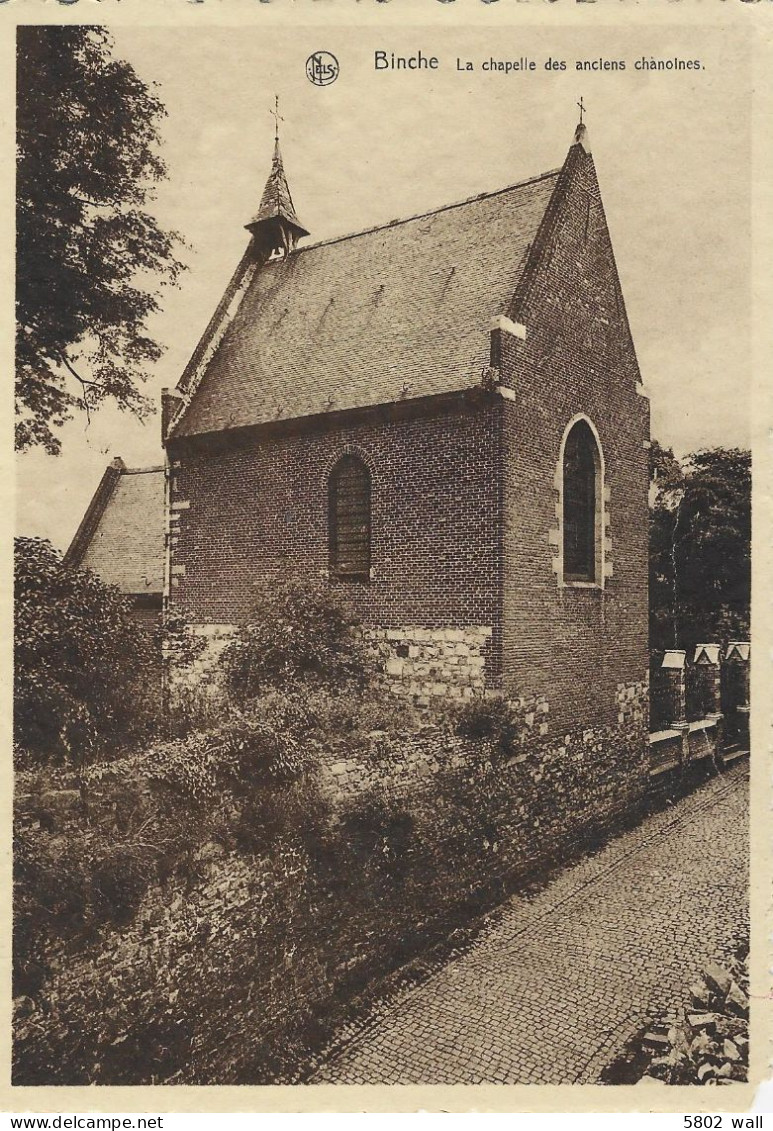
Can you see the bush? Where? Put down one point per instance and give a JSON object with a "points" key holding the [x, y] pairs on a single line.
{"points": [[318, 716], [379, 831], [299, 631], [84, 672], [491, 719]]}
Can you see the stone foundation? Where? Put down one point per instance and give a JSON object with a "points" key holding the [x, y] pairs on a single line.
{"points": [[423, 664], [433, 663], [203, 675], [633, 703]]}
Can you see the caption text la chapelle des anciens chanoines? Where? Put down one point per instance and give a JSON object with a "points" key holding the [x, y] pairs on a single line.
{"points": [[423, 60]]}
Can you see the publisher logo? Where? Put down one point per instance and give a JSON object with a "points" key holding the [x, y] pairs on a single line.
{"points": [[322, 68]]}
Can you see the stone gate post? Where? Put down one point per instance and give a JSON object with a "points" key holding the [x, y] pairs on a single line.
{"points": [[738, 657], [707, 658], [673, 668]]}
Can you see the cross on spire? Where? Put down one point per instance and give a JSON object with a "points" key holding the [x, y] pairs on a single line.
{"points": [[582, 109], [277, 117]]}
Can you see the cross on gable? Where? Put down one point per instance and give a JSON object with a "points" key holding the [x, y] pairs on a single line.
{"points": [[582, 109]]}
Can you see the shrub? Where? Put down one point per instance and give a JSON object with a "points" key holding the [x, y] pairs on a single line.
{"points": [[83, 669], [316, 716], [299, 631], [379, 830], [492, 719], [118, 884]]}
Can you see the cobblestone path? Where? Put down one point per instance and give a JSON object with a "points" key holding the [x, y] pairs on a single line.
{"points": [[556, 983]]}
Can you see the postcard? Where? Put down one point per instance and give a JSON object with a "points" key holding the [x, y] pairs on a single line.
{"points": [[387, 728]]}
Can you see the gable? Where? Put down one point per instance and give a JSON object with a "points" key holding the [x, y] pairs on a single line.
{"points": [[569, 295], [391, 314]]}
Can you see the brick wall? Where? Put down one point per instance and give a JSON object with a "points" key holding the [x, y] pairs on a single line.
{"points": [[574, 645], [261, 507]]}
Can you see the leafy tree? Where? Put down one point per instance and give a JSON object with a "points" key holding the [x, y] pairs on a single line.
{"points": [[301, 631], [84, 672], [700, 547], [666, 491], [89, 257]]}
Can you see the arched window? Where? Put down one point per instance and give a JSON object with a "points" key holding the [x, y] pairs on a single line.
{"points": [[349, 519], [581, 504]]}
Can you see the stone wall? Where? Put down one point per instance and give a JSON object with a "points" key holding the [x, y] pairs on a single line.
{"points": [[426, 664], [633, 701], [688, 743], [541, 798]]}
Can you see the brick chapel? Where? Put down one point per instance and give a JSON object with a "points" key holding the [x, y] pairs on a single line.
{"points": [[444, 415]]}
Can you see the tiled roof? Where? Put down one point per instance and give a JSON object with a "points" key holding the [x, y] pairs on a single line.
{"points": [[126, 547], [392, 313]]}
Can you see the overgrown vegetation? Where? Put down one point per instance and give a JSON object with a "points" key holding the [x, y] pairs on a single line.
{"points": [[152, 890], [198, 911], [86, 677], [93, 884], [202, 911], [300, 663], [299, 631]]}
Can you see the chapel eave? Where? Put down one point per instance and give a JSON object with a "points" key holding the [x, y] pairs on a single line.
{"points": [[472, 396]]}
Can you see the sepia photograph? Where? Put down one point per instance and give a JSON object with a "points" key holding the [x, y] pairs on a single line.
{"points": [[382, 556]]}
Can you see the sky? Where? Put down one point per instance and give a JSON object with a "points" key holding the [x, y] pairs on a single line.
{"points": [[672, 152]]}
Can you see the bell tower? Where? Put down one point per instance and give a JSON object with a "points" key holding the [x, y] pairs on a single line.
{"points": [[275, 227]]}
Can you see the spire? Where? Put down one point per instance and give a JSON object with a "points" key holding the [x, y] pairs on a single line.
{"points": [[275, 226], [276, 202], [581, 133]]}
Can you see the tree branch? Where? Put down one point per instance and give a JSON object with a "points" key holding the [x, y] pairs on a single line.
{"points": [[84, 383], [112, 203], [83, 380]]}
